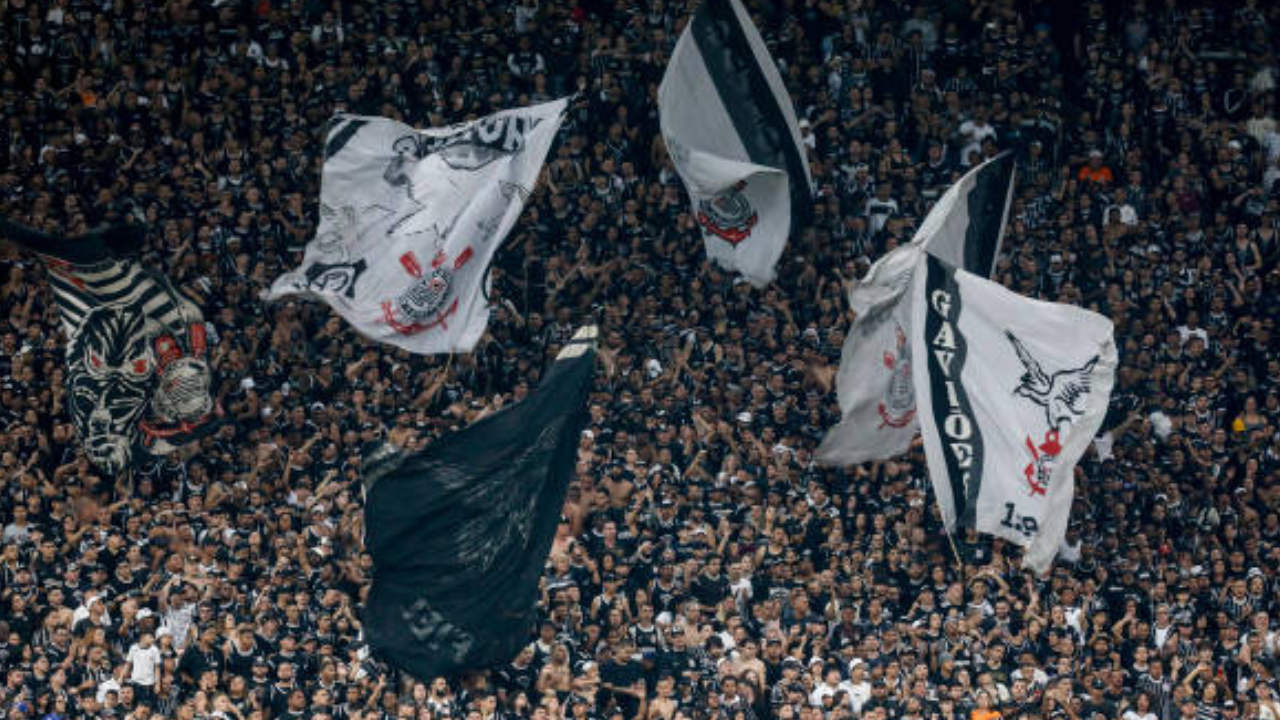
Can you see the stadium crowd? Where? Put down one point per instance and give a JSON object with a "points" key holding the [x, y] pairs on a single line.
{"points": [[704, 568]]}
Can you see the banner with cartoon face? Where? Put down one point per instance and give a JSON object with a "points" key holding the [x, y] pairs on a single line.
{"points": [[410, 220], [138, 375]]}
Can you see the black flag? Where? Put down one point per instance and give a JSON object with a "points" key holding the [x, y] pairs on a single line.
{"points": [[138, 373], [460, 531]]}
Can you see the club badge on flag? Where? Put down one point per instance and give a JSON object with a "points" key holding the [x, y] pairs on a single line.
{"points": [[1011, 391], [732, 135], [874, 383], [410, 220], [877, 400], [138, 374]]}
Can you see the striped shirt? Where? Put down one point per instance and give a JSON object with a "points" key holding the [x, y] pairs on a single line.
{"points": [[1236, 608], [1161, 692]]}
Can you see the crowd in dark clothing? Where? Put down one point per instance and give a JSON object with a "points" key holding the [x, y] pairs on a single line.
{"points": [[705, 568]]}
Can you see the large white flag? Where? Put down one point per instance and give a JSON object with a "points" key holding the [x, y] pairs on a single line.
{"points": [[410, 220], [877, 399], [733, 137], [1011, 392]]}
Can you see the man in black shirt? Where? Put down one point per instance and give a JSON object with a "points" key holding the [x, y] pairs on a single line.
{"points": [[621, 677], [519, 676]]}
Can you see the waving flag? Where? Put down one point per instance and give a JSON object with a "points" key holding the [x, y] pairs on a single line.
{"points": [[1011, 392], [410, 220], [732, 134], [460, 532], [138, 375], [877, 396]]}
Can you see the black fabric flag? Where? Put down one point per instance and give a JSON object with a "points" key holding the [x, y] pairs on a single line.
{"points": [[460, 531], [138, 377]]}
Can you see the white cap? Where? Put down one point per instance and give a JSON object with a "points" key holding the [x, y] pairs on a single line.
{"points": [[653, 368]]}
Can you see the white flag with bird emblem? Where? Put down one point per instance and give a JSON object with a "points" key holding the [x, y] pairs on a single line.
{"points": [[1010, 391]]}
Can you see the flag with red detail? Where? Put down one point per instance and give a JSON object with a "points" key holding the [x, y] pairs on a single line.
{"points": [[410, 221], [138, 376]]}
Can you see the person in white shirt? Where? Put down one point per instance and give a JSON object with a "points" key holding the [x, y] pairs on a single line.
{"points": [[1260, 627], [1128, 214], [524, 15], [880, 208], [1030, 673], [106, 686], [829, 686], [807, 138], [144, 664], [1191, 329], [1261, 125], [858, 686], [1272, 173], [1268, 703], [18, 531], [973, 132], [1163, 627]]}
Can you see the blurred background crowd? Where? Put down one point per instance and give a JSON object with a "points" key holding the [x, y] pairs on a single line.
{"points": [[705, 568]]}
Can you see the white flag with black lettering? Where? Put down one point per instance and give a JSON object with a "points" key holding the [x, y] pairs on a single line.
{"points": [[876, 394], [410, 220], [1011, 392], [732, 135]]}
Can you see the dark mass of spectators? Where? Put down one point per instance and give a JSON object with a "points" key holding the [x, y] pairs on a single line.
{"points": [[705, 568]]}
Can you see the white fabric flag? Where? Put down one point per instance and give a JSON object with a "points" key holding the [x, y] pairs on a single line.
{"points": [[732, 135], [1011, 392], [410, 220], [877, 398], [874, 385]]}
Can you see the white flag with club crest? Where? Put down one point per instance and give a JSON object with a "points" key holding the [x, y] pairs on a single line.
{"points": [[410, 220], [877, 398], [733, 137]]}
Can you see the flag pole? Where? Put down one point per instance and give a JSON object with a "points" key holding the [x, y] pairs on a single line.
{"points": [[951, 540]]}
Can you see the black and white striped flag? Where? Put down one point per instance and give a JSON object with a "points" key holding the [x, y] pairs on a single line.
{"points": [[138, 376], [877, 397], [732, 134]]}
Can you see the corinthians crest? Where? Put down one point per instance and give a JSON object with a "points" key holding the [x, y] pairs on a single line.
{"points": [[430, 300], [899, 404], [729, 216], [1040, 469], [1062, 396]]}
